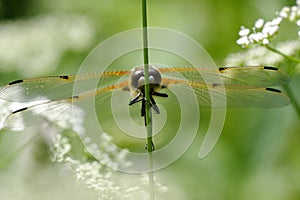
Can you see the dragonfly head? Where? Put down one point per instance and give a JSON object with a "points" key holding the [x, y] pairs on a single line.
{"points": [[138, 78]]}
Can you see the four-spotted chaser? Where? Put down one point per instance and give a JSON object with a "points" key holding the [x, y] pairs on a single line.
{"points": [[243, 86]]}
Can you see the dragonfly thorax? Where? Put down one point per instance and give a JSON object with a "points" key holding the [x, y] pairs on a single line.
{"points": [[138, 79]]}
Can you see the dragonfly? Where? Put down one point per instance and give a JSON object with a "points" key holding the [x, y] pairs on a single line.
{"points": [[249, 86]]}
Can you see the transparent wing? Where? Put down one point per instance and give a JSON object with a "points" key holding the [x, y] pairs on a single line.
{"points": [[54, 111], [223, 96], [62, 111], [56, 87], [244, 86], [232, 77]]}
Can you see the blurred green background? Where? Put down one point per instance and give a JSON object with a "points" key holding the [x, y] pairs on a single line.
{"points": [[257, 156]]}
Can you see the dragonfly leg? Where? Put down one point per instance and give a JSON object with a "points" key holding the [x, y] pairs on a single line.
{"points": [[143, 109], [136, 99], [160, 94], [153, 105], [152, 145]]}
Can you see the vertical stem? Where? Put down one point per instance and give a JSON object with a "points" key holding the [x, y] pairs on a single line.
{"points": [[148, 115], [282, 54], [148, 119]]}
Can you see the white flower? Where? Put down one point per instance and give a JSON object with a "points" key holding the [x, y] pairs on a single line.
{"points": [[256, 37], [243, 41], [290, 13], [293, 14], [265, 41], [276, 21], [269, 29], [285, 12], [244, 31], [259, 23], [60, 148]]}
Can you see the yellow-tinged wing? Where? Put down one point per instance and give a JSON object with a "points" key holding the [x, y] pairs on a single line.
{"points": [[229, 86], [214, 87], [56, 87], [235, 77]]}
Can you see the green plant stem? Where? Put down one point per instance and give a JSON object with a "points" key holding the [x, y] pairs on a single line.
{"points": [[294, 102], [148, 115], [282, 54], [148, 119]]}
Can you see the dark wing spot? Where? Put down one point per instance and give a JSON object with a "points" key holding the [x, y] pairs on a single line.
{"points": [[273, 90], [271, 68], [215, 85], [75, 97], [15, 82], [22, 109], [64, 77], [222, 68]]}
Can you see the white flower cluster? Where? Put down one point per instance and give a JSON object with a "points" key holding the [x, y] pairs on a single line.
{"points": [[291, 13], [37, 44], [261, 55], [158, 186], [110, 154], [263, 32], [108, 183], [60, 148], [97, 178], [107, 153]]}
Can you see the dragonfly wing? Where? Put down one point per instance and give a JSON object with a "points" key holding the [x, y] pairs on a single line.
{"points": [[57, 87], [257, 97], [46, 88], [243, 77], [63, 111], [222, 96], [54, 111]]}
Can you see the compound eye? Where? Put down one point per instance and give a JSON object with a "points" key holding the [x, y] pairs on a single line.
{"points": [[141, 82], [154, 76], [136, 76], [152, 80]]}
